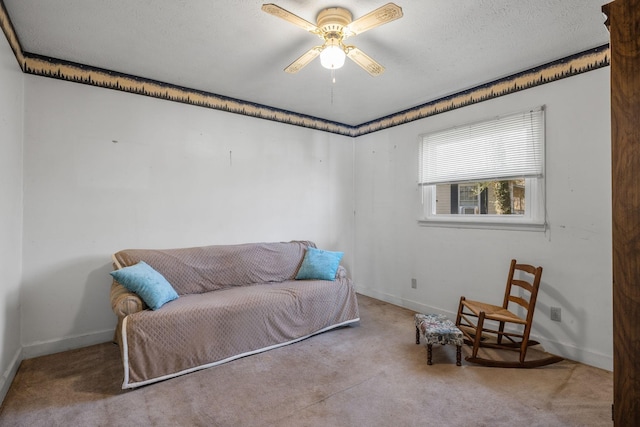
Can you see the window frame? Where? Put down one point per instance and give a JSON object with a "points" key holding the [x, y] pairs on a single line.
{"points": [[534, 218]]}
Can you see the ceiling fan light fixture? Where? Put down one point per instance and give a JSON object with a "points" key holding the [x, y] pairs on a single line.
{"points": [[332, 57]]}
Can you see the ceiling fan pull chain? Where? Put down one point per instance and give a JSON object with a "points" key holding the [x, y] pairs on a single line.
{"points": [[334, 80]]}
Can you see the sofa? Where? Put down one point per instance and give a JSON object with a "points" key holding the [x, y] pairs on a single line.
{"points": [[222, 302]]}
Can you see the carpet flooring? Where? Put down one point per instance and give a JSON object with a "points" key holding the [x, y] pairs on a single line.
{"points": [[367, 374]]}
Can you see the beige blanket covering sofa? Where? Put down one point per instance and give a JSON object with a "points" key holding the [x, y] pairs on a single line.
{"points": [[234, 300]]}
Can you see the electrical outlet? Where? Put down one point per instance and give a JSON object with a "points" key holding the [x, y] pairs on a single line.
{"points": [[556, 314], [414, 284]]}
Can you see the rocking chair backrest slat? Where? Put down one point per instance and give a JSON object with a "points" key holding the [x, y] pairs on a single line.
{"points": [[528, 268], [520, 301], [523, 284]]}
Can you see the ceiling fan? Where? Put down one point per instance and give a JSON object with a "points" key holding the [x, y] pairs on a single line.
{"points": [[334, 25]]}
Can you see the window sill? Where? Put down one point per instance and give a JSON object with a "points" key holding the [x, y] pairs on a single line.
{"points": [[488, 225]]}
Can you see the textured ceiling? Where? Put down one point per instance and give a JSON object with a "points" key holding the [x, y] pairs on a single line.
{"points": [[232, 48]]}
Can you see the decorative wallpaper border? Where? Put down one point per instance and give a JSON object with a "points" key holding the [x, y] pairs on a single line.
{"points": [[579, 63], [10, 34], [55, 68], [64, 70]]}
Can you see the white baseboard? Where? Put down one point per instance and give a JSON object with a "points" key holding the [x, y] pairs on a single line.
{"points": [[568, 351], [68, 343], [402, 302], [7, 376], [571, 352]]}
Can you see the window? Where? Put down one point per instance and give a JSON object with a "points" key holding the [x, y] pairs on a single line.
{"points": [[489, 173]]}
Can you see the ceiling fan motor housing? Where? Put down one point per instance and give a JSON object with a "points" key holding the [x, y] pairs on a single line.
{"points": [[333, 19]]}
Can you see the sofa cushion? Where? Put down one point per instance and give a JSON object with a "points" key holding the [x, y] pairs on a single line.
{"points": [[150, 285], [202, 330], [319, 264]]}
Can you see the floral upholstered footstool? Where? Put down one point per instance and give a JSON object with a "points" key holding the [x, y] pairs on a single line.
{"points": [[437, 329]]}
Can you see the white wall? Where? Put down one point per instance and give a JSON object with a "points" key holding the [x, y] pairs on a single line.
{"points": [[11, 115], [177, 176], [391, 248]]}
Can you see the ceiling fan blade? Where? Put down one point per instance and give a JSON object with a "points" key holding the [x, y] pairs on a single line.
{"points": [[274, 10], [387, 13], [301, 62], [363, 60]]}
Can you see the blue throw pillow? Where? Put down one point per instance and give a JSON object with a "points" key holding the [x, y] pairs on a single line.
{"points": [[319, 265], [150, 285]]}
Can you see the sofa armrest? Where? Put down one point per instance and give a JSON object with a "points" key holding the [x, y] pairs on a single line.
{"points": [[124, 302]]}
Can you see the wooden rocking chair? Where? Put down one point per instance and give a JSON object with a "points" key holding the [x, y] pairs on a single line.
{"points": [[478, 321]]}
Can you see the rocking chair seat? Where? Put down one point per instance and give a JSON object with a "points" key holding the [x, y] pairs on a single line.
{"points": [[493, 312]]}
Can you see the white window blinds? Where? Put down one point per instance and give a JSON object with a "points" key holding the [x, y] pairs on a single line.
{"points": [[510, 146]]}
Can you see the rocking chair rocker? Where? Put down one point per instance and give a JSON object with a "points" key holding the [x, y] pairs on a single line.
{"points": [[478, 321]]}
